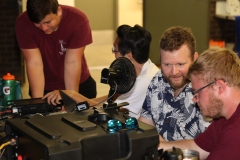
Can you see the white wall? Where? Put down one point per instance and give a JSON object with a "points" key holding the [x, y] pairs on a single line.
{"points": [[66, 2], [24, 5], [130, 12]]}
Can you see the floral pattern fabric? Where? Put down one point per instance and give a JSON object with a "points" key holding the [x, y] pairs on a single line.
{"points": [[175, 118]]}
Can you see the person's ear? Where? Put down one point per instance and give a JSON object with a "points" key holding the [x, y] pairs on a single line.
{"points": [[195, 56], [59, 11], [129, 55], [221, 86]]}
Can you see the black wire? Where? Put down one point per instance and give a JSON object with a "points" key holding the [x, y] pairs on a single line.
{"points": [[108, 97]]}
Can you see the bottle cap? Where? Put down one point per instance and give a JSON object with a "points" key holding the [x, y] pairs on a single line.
{"points": [[8, 76]]}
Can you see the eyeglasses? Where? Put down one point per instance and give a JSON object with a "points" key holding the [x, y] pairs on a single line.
{"points": [[115, 125], [195, 93], [114, 49]]}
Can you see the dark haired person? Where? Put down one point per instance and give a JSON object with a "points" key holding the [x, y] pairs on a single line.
{"points": [[168, 105], [134, 44], [216, 86], [52, 38]]}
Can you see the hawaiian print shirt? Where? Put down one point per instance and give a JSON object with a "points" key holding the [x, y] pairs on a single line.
{"points": [[175, 118]]}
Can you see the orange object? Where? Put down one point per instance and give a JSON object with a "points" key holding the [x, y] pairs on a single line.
{"points": [[8, 76], [213, 43]]}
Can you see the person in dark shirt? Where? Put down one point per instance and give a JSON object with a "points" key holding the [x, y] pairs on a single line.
{"points": [[215, 77], [52, 38]]}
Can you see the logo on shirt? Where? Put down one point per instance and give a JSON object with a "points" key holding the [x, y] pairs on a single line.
{"points": [[63, 50]]}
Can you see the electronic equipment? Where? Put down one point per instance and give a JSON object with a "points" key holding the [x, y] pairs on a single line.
{"points": [[121, 77], [69, 103], [120, 73], [82, 106], [78, 122], [72, 136], [85, 135], [32, 106]]}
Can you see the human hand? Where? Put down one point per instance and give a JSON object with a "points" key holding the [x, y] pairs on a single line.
{"points": [[53, 97]]}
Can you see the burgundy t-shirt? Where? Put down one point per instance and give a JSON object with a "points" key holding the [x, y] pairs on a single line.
{"points": [[222, 138], [73, 32]]}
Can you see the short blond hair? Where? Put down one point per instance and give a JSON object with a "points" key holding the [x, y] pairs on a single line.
{"points": [[217, 63]]}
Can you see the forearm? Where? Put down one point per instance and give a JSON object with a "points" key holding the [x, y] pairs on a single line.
{"points": [[36, 80], [72, 75], [178, 144], [73, 68], [34, 67], [99, 99]]}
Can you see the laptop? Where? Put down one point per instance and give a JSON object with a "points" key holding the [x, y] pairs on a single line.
{"points": [[68, 102]]}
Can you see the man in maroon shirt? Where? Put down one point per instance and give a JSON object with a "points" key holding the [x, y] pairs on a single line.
{"points": [[52, 39], [215, 77]]}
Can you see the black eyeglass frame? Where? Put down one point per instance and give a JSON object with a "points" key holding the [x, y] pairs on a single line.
{"points": [[197, 91]]}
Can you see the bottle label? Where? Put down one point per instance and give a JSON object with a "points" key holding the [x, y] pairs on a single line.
{"points": [[6, 90]]}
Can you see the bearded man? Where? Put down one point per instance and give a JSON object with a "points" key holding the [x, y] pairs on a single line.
{"points": [[168, 104], [216, 83]]}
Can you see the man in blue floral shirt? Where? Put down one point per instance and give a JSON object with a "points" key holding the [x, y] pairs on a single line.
{"points": [[168, 104]]}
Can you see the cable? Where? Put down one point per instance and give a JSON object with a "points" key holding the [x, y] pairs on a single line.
{"points": [[11, 142], [5, 144], [106, 98], [2, 153]]}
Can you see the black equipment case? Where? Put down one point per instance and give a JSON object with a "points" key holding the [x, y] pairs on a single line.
{"points": [[70, 136]]}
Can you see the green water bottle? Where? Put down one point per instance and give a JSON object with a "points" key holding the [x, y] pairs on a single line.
{"points": [[8, 88]]}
